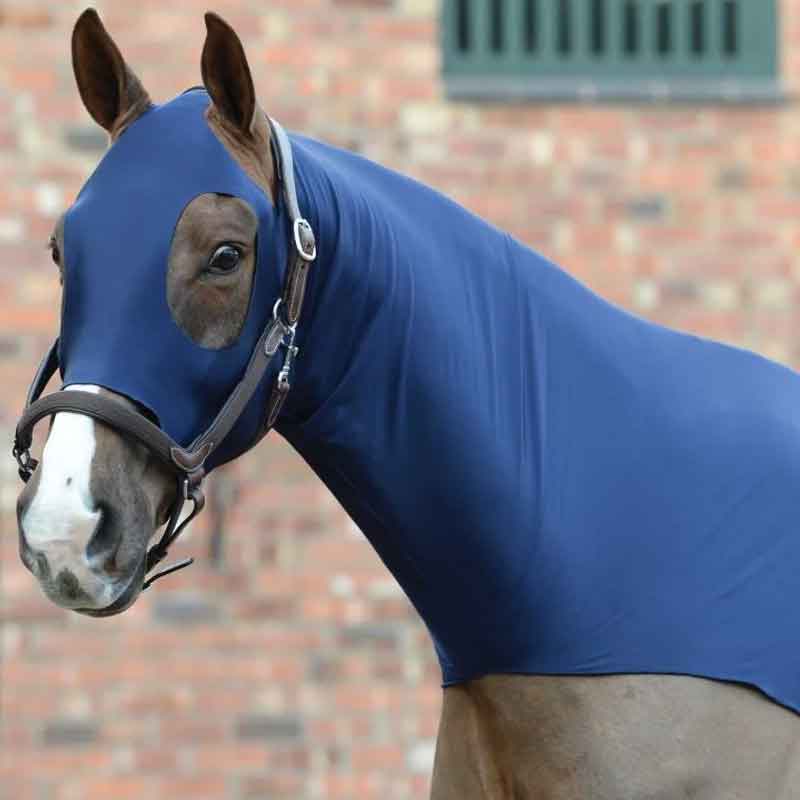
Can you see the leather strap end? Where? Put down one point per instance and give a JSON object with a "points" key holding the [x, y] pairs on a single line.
{"points": [[276, 400]]}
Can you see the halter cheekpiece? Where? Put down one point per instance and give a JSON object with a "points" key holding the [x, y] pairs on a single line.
{"points": [[188, 463]]}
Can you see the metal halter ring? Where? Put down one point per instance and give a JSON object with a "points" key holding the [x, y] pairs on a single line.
{"points": [[276, 316]]}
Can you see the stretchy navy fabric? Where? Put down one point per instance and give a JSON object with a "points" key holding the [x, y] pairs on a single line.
{"points": [[559, 486]]}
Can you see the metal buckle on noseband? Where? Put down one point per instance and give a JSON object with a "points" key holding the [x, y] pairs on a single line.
{"points": [[26, 462]]}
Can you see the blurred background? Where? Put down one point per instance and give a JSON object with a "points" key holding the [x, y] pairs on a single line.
{"points": [[651, 148]]}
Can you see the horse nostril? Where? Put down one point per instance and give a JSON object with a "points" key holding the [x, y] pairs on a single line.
{"points": [[42, 567], [69, 586], [104, 543]]}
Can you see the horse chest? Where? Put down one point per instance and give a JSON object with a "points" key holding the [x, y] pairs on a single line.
{"points": [[615, 738]]}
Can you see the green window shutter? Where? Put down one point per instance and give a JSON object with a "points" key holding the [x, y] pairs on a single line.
{"points": [[684, 49]]}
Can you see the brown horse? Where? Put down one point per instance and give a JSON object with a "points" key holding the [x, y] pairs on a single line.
{"points": [[501, 736]]}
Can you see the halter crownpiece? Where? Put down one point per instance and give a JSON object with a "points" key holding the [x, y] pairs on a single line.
{"points": [[189, 463]]}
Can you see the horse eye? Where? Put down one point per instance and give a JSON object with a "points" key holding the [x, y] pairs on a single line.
{"points": [[225, 259]]}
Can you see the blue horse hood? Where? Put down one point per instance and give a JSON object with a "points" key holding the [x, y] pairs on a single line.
{"points": [[559, 486], [117, 330]]}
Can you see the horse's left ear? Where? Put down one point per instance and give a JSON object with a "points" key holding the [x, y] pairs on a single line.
{"points": [[226, 74]]}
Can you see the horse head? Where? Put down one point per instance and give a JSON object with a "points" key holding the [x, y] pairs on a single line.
{"points": [[163, 261]]}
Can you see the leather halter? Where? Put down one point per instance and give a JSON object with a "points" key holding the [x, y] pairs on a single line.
{"points": [[188, 462]]}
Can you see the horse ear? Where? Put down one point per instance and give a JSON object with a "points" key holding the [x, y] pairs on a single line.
{"points": [[226, 74], [111, 93]]}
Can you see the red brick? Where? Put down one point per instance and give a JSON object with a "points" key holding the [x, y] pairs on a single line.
{"points": [[167, 698]]}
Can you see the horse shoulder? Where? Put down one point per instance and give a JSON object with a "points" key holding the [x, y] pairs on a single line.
{"points": [[638, 737]]}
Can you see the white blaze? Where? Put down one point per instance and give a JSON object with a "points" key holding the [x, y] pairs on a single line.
{"points": [[63, 509]]}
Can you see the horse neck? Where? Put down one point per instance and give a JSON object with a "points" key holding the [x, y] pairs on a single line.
{"points": [[390, 407], [363, 318]]}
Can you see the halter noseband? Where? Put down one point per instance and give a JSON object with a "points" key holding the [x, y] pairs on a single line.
{"points": [[188, 463]]}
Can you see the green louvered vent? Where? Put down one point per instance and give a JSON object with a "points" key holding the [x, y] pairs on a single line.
{"points": [[681, 48]]}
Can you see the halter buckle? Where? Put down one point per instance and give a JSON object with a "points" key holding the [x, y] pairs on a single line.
{"points": [[27, 464], [304, 241]]}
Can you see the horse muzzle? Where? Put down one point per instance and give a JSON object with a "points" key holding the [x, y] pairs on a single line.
{"points": [[71, 580]]}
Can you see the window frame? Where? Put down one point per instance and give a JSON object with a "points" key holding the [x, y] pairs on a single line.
{"points": [[513, 74]]}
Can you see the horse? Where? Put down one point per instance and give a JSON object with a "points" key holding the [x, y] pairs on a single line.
{"points": [[595, 516]]}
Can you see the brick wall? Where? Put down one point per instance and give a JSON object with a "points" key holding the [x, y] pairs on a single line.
{"points": [[289, 665]]}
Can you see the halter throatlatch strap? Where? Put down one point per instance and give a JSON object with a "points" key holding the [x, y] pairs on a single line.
{"points": [[188, 462], [302, 254], [157, 553]]}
